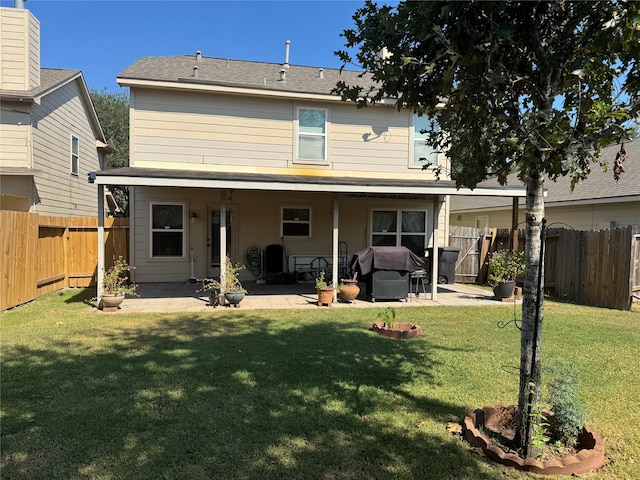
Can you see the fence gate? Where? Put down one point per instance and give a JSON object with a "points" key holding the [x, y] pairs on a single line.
{"points": [[467, 239]]}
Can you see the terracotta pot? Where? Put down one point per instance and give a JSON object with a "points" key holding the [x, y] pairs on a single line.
{"points": [[504, 289], [349, 290], [111, 301], [325, 296]]}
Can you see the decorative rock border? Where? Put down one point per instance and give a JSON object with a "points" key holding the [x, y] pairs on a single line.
{"points": [[589, 457], [398, 330]]}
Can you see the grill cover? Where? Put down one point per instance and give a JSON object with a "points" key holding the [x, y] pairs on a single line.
{"points": [[385, 258]]}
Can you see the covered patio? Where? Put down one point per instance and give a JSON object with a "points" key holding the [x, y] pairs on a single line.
{"points": [[174, 297], [344, 207]]}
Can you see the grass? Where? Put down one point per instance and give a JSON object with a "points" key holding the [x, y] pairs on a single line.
{"points": [[287, 394]]}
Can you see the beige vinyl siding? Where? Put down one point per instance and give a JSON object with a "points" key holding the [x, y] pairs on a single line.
{"points": [[256, 221], [61, 114], [191, 129], [14, 136], [580, 217], [369, 140], [19, 52], [221, 132], [595, 216], [34, 52]]}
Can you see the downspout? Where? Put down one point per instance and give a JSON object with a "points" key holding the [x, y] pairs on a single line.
{"points": [[132, 231]]}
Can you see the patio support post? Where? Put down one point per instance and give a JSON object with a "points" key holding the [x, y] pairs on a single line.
{"points": [[132, 232], [223, 236], [514, 223], [437, 205], [100, 272], [335, 247]]}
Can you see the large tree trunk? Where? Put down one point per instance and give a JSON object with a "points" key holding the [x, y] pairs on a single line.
{"points": [[532, 312]]}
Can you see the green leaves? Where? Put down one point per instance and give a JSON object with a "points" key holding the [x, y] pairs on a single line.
{"points": [[560, 75]]}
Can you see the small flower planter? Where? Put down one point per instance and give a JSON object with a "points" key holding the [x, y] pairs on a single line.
{"points": [[590, 453], [504, 289], [396, 330], [234, 298], [111, 301], [349, 290], [325, 296]]}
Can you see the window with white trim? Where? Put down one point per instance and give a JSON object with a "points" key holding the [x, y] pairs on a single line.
{"points": [[423, 154], [75, 155], [296, 222], [400, 228], [312, 135], [167, 229]]}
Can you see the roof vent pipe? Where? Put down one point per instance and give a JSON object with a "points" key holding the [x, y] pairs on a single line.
{"points": [[198, 55], [19, 4], [321, 74], [283, 75], [287, 46], [195, 71]]}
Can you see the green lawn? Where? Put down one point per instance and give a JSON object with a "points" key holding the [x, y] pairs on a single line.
{"points": [[288, 394]]}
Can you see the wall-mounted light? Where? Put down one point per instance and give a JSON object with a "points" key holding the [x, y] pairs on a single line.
{"points": [[194, 215]]}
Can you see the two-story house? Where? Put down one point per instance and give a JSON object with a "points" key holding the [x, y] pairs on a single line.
{"points": [[50, 136], [229, 157]]}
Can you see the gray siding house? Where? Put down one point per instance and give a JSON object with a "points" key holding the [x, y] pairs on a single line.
{"points": [[50, 136]]}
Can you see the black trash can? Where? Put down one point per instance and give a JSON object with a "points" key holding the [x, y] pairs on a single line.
{"points": [[447, 258]]}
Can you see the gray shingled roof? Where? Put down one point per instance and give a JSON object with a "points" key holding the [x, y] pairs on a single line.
{"points": [[598, 185], [239, 73], [49, 79]]}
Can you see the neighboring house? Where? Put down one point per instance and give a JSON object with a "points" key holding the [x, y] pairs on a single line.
{"points": [[598, 202], [228, 157], [50, 136]]}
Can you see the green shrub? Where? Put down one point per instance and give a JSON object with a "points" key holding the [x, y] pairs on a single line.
{"points": [[568, 412]]}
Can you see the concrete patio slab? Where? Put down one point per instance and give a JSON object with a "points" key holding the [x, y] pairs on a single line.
{"points": [[184, 297]]}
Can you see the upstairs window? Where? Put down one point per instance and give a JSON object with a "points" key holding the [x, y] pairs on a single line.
{"points": [[296, 222], [312, 135], [421, 127], [75, 155], [167, 230]]}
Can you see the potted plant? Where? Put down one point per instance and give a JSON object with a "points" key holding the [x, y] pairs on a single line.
{"points": [[116, 284], [348, 289], [232, 290], [324, 290], [504, 267], [213, 287], [388, 327]]}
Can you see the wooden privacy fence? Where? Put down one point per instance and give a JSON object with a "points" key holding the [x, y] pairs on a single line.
{"points": [[42, 254], [599, 267]]}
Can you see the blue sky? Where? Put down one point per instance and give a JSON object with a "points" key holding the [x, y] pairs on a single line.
{"points": [[103, 37]]}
